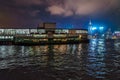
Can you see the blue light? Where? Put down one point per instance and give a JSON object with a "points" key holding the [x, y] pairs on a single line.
{"points": [[101, 28], [94, 28]]}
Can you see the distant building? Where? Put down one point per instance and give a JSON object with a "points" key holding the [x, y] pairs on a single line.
{"points": [[90, 28], [40, 26], [116, 35], [109, 34]]}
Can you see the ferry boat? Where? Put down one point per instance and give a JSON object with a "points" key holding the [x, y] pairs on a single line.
{"points": [[47, 34]]}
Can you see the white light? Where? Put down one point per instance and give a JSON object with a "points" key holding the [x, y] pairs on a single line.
{"points": [[101, 28], [94, 28]]}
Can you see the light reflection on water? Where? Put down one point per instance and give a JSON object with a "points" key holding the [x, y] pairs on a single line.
{"points": [[96, 58], [100, 59]]}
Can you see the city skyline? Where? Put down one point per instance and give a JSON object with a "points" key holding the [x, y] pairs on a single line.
{"points": [[66, 13]]}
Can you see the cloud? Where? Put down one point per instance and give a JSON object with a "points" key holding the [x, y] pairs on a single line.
{"points": [[57, 10], [28, 2], [32, 11], [70, 7], [17, 16], [81, 7]]}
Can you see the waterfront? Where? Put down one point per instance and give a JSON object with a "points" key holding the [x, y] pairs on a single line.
{"points": [[97, 60]]}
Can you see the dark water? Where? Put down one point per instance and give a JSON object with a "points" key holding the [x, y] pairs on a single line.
{"points": [[97, 60]]}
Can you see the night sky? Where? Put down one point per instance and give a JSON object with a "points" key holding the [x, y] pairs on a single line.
{"points": [[66, 13]]}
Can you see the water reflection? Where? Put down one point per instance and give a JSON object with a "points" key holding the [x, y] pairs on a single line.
{"points": [[96, 58], [100, 59], [117, 45]]}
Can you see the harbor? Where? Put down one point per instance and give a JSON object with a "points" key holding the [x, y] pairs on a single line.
{"points": [[45, 34], [96, 60]]}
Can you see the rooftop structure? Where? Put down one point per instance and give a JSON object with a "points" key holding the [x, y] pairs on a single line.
{"points": [[47, 25]]}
